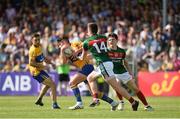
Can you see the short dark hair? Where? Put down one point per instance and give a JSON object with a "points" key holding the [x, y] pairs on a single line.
{"points": [[64, 38], [113, 35], [93, 27], [35, 35], [58, 39]]}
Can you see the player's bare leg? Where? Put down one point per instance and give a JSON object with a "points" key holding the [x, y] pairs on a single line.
{"points": [[42, 93], [89, 88], [77, 78], [115, 85], [132, 85], [93, 87], [96, 94], [96, 101], [121, 101], [52, 85], [91, 80]]}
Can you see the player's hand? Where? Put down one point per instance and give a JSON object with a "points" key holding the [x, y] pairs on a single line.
{"points": [[64, 47], [53, 65], [132, 75]]}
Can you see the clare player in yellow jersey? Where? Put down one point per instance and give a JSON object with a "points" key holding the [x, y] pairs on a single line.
{"points": [[69, 54], [36, 67]]}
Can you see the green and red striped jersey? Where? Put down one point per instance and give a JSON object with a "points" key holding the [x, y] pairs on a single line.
{"points": [[117, 56], [97, 45]]}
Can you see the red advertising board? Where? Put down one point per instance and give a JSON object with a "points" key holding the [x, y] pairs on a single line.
{"points": [[160, 83]]}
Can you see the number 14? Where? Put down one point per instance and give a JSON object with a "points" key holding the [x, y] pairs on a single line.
{"points": [[102, 47]]}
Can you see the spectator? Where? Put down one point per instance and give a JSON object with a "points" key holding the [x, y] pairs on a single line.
{"points": [[8, 66], [176, 62], [154, 62], [155, 45], [167, 64], [137, 23], [172, 48], [2, 34], [109, 30], [10, 12]]}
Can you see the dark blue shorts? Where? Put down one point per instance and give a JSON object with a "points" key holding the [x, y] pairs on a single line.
{"points": [[41, 76], [87, 69]]}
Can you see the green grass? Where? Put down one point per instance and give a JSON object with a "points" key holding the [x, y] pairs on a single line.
{"points": [[23, 107]]}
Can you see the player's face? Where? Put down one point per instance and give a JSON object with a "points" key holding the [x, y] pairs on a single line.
{"points": [[112, 42], [60, 44], [36, 41]]}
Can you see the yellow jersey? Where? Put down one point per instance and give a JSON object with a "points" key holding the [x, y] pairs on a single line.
{"points": [[76, 45], [36, 53], [78, 62]]}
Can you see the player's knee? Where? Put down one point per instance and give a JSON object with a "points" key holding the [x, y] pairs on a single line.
{"points": [[107, 79], [136, 89], [72, 84], [47, 86], [52, 84], [89, 79]]}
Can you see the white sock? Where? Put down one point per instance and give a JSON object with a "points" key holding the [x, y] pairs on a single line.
{"points": [[113, 103], [79, 103]]}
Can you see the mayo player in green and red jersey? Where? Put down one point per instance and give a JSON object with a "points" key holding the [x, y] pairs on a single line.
{"points": [[123, 72], [96, 44]]}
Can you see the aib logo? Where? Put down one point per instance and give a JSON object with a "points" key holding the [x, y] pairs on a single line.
{"points": [[165, 86]]}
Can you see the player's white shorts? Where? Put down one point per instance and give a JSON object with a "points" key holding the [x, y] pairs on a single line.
{"points": [[105, 69], [124, 77]]}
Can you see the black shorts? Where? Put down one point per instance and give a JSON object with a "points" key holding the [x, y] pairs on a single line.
{"points": [[64, 77]]}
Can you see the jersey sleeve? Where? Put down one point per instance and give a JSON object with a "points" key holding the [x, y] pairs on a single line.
{"points": [[31, 54], [85, 45]]}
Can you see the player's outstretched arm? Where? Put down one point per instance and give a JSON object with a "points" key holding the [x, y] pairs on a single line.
{"points": [[49, 61], [62, 57], [84, 54]]}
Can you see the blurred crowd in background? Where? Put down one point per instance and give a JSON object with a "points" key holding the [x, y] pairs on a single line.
{"points": [[138, 24]]}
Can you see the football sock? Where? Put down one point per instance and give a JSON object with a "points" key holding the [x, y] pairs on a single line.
{"points": [[141, 96], [105, 98], [95, 96], [131, 100], [119, 96], [77, 94], [39, 99]]}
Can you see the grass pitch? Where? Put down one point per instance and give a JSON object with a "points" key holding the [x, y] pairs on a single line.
{"points": [[24, 107]]}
